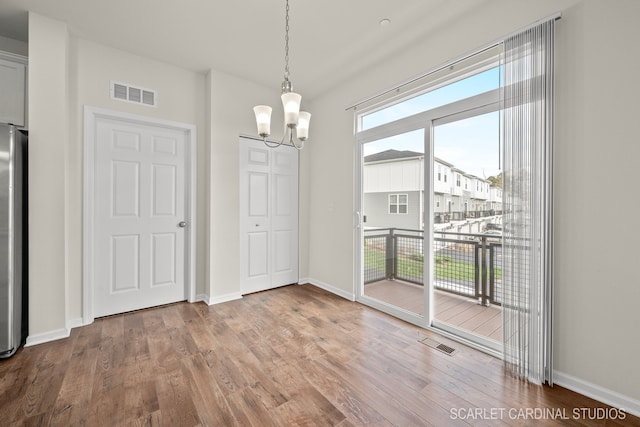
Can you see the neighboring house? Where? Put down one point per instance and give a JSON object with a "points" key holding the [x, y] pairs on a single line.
{"points": [[443, 183], [495, 198], [479, 189], [393, 187]]}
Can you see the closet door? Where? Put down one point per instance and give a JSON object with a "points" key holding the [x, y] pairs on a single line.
{"points": [[268, 216]]}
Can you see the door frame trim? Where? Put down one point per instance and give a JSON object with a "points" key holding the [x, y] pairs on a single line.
{"points": [[91, 115]]}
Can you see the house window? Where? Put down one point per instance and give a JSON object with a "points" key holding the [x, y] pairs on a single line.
{"points": [[457, 180], [398, 203], [445, 177]]}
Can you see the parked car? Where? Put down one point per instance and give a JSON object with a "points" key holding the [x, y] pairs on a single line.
{"points": [[493, 236], [493, 226]]}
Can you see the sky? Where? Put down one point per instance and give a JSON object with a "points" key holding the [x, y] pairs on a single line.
{"points": [[471, 145]]}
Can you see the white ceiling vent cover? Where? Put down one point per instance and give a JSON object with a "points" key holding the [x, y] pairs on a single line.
{"points": [[130, 93]]}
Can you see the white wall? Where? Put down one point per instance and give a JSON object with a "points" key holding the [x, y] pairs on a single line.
{"points": [[231, 114], [180, 95], [65, 74], [48, 136], [14, 46], [232, 102], [597, 257], [597, 285], [68, 73]]}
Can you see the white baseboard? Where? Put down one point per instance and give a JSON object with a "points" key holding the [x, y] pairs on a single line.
{"points": [[601, 394], [329, 288], [61, 333], [75, 323], [201, 297], [56, 334], [222, 298], [44, 337]]}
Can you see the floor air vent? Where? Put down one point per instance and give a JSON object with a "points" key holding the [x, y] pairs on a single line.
{"points": [[439, 346], [130, 93]]}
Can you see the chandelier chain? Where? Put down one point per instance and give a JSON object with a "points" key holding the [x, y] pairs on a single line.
{"points": [[286, 43], [295, 121]]}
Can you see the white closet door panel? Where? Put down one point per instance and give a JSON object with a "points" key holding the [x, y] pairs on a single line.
{"points": [[164, 190], [125, 263], [164, 260], [258, 260], [269, 216], [258, 194], [125, 189]]}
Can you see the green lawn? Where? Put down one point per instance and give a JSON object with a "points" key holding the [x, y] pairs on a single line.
{"points": [[445, 267]]}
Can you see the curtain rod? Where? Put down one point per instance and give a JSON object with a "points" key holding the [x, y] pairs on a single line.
{"points": [[484, 48]]}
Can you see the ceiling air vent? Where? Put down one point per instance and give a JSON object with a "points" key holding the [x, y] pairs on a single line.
{"points": [[119, 91], [148, 97], [134, 94]]}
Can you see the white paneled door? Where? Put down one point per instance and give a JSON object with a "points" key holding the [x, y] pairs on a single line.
{"points": [[268, 216], [139, 226]]}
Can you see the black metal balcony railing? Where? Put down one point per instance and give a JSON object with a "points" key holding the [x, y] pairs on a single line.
{"points": [[463, 263]]}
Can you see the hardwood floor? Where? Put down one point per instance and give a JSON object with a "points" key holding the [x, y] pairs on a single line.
{"points": [[291, 356]]}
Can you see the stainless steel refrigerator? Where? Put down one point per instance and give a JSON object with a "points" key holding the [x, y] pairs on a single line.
{"points": [[12, 238]]}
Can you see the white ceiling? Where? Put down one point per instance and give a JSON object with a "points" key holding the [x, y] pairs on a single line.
{"points": [[330, 40]]}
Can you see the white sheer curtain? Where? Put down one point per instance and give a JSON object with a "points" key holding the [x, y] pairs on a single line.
{"points": [[528, 221]]}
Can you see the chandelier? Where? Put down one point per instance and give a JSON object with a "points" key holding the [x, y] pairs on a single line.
{"points": [[294, 120]]}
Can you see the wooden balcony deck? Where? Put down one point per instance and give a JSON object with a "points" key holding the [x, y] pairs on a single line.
{"points": [[455, 310]]}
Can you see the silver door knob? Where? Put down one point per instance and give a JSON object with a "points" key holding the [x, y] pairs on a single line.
{"points": [[182, 224]]}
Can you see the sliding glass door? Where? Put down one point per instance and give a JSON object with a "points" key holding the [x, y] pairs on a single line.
{"points": [[393, 223], [467, 227], [429, 209]]}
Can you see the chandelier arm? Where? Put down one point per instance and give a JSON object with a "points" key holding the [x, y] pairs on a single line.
{"points": [[271, 144], [292, 144], [285, 132], [295, 144]]}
